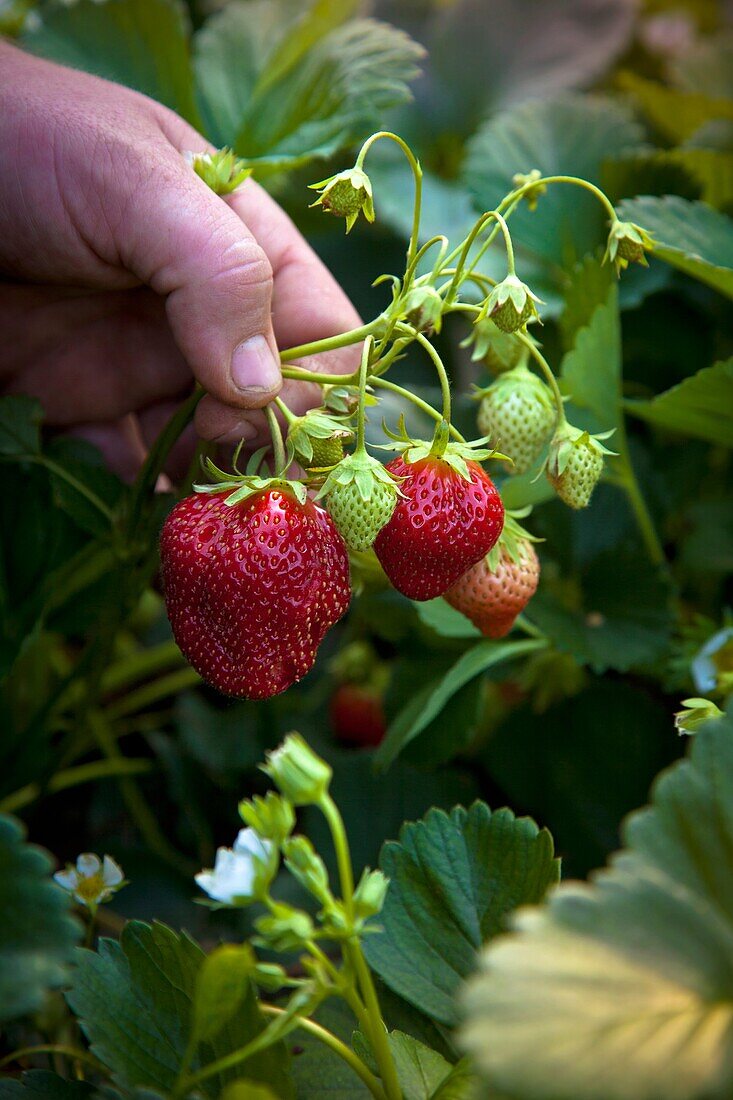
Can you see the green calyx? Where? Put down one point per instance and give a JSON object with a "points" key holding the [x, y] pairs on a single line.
{"points": [[512, 540], [240, 485], [346, 195], [222, 171], [696, 713], [456, 454], [627, 244], [309, 434], [574, 464], [423, 309], [534, 189], [510, 305], [501, 351], [361, 496]]}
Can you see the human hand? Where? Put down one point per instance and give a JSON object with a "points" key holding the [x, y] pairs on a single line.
{"points": [[128, 277]]}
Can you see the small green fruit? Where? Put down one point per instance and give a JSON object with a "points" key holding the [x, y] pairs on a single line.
{"points": [[518, 414], [575, 464]]}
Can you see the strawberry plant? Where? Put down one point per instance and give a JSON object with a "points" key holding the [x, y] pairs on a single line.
{"points": [[489, 565]]}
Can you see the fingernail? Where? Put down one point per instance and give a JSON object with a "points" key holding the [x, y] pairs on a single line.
{"points": [[254, 367]]}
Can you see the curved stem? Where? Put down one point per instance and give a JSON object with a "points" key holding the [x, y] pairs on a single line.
{"points": [[335, 1044], [547, 371], [55, 1048], [363, 371], [417, 176], [278, 448], [385, 384], [439, 366], [298, 374], [329, 343], [289, 415], [575, 181]]}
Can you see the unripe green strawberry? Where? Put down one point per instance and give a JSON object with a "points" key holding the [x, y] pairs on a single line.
{"points": [[575, 464], [518, 414], [361, 497], [327, 452], [510, 305]]}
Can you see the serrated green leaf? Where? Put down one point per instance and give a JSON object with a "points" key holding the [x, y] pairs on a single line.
{"points": [[689, 235], [700, 406], [327, 85], [616, 613], [570, 135], [591, 370], [37, 931], [453, 880], [420, 1070], [40, 1084], [20, 418], [141, 43], [623, 989], [222, 985], [134, 1001], [474, 662]]}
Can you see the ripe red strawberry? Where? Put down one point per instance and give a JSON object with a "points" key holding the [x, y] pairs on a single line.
{"points": [[357, 715], [493, 597], [442, 524], [252, 588]]}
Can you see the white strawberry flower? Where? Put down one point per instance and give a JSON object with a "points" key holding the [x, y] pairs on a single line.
{"points": [[240, 872], [92, 880]]}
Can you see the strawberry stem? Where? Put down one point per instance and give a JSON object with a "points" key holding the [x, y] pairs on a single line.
{"points": [[278, 448], [547, 371], [363, 372], [417, 175]]}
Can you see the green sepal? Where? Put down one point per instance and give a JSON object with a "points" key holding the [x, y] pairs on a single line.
{"points": [[222, 171], [363, 471], [567, 437], [316, 424], [627, 243], [452, 451], [501, 351], [423, 309], [243, 486], [511, 305], [346, 195], [511, 539]]}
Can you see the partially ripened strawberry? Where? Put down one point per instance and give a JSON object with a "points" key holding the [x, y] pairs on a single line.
{"points": [[252, 587], [357, 715], [493, 597], [442, 524]]}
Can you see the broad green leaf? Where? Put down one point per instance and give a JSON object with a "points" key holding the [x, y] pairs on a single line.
{"points": [[690, 236], [20, 418], [701, 406], [707, 66], [420, 1070], [40, 1084], [222, 985], [319, 1073], [622, 989], [453, 880], [247, 43], [591, 370], [134, 1001], [247, 1090], [141, 43], [445, 620], [675, 114], [37, 931], [474, 662], [285, 85], [589, 286], [615, 613], [570, 136]]}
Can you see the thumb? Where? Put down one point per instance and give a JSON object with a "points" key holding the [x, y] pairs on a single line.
{"points": [[189, 245]]}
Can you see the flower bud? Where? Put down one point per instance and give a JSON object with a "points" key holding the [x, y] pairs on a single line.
{"points": [[370, 893], [222, 171], [307, 867], [423, 309], [297, 771], [696, 714], [533, 193], [272, 816], [286, 929]]}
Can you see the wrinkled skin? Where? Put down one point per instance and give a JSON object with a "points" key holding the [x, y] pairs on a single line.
{"points": [[126, 278]]}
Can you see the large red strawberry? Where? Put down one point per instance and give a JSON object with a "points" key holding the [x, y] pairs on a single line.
{"points": [[442, 524], [251, 588], [492, 593]]}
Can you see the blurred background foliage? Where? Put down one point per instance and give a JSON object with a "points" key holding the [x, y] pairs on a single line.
{"points": [[635, 97]]}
